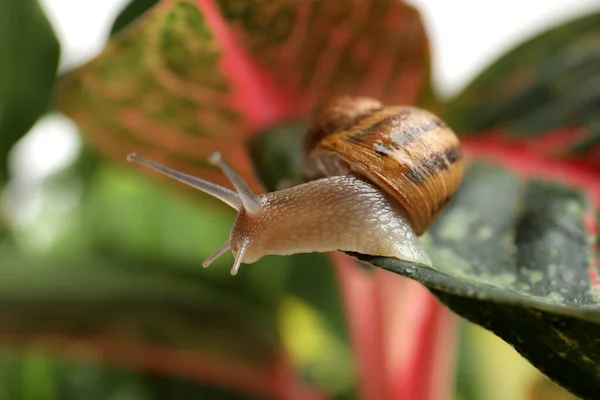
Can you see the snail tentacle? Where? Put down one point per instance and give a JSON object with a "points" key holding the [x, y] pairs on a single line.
{"points": [[239, 256], [227, 196], [251, 202], [222, 250]]}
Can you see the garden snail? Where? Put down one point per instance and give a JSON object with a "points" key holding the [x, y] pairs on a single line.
{"points": [[378, 177]]}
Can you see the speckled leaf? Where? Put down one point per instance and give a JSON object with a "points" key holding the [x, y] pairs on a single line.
{"points": [[192, 76], [516, 256], [544, 93], [29, 54]]}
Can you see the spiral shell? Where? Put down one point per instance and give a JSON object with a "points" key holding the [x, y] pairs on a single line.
{"points": [[408, 152]]}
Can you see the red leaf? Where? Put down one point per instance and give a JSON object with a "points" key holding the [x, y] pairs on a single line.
{"points": [[362, 307], [421, 340], [528, 160], [195, 76], [543, 92], [404, 339], [255, 96]]}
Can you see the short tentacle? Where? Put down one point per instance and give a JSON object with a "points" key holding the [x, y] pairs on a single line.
{"points": [[222, 250], [239, 257], [251, 202]]}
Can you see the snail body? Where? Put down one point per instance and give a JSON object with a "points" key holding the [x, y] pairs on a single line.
{"points": [[377, 178], [321, 216]]}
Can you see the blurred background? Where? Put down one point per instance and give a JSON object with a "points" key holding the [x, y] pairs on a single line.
{"points": [[52, 208]]}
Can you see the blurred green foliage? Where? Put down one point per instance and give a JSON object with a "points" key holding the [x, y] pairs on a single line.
{"points": [[110, 252]]}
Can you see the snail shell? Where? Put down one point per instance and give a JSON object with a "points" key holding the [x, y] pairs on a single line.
{"points": [[408, 152]]}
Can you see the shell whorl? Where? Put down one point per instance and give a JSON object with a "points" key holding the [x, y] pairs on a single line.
{"points": [[407, 151]]}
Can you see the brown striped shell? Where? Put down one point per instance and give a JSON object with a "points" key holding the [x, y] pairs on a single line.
{"points": [[407, 151]]}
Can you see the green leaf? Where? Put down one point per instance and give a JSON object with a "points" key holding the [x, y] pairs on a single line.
{"points": [[544, 92], [127, 215], [198, 329], [311, 277], [136, 315], [516, 257], [33, 373], [275, 164], [135, 217], [133, 10], [125, 219], [534, 282], [89, 296], [29, 51], [190, 77]]}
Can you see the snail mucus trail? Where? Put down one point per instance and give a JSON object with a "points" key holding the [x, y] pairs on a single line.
{"points": [[360, 197]]}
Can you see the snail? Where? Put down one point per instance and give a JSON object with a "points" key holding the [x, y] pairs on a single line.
{"points": [[377, 177]]}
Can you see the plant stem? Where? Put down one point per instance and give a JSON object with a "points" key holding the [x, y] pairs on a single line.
{"points": [[404, 339], [431, 337], [361, 306]]}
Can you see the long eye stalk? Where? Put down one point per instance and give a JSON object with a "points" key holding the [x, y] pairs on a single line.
{"points": [[225, 195]]}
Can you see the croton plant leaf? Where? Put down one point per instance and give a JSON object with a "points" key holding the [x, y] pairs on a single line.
{"points": [[193, 76], [521, 264], [545, 94], [517, 252]]}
